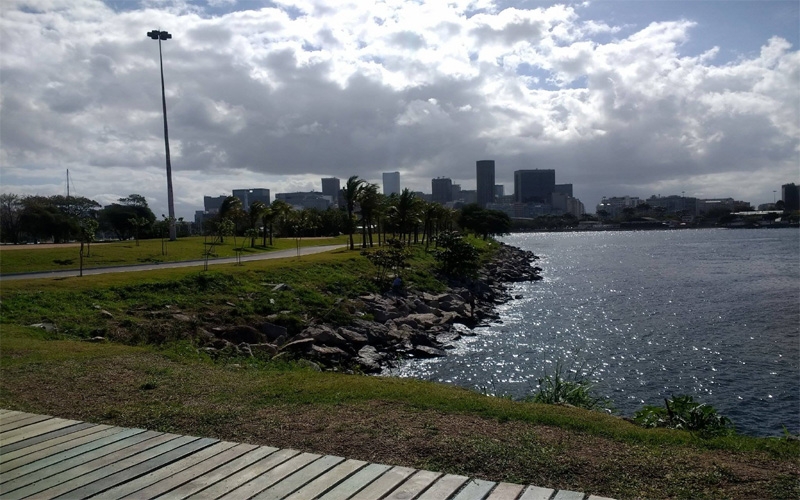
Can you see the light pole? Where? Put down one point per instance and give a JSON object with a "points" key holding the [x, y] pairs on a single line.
{"points": [[163, 35]]}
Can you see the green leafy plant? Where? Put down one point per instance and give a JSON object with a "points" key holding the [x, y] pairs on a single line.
{"points": [[683, 412], [390, 259], [455, 256], [569, 389]]}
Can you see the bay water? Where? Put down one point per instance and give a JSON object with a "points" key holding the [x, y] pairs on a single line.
{"points": [[713, 313]]}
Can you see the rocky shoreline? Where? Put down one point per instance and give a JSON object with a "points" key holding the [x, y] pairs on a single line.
{"points": [[390, 326]]}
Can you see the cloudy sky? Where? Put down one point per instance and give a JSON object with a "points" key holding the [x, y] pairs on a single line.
{"points": [[619, 97]]}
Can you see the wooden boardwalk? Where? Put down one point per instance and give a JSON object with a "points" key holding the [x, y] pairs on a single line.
{"points": [[46, 457]]}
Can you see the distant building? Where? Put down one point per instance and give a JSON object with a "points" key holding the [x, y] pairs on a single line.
{"points": [[248, 196], [301, 200], [212, 204], [499, 192], [616, 204], [534, 186], [441, 190], [790, 194], [484, 173], [332, 187], [456, 192], [673, 204], [563, 188], [391, 183], [469, 196]]}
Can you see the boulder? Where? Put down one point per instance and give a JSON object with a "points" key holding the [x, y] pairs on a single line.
{"points": [[423, 351], [370, 359], [240, 333], [352, 337], [264, 350], [271, 331], [298, 346]]}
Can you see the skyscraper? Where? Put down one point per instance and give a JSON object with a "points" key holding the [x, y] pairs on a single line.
{"points": [[248, 196], [534, 186], [441, 190], [391, 183], [331, 187], [485, 177]]}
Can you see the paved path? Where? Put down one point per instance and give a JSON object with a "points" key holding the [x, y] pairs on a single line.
{"points": [[278, 254], [45, 457]]}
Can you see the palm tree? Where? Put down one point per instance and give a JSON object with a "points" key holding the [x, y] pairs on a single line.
{"points": [[230, 209], [406, 213], [350, 192], [255, 214], [280, 213], [369, 199]]}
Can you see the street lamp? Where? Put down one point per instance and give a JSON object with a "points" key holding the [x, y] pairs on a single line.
{"points": [[163, 35]]}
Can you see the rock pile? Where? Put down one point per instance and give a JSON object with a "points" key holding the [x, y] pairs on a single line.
{"points": [[390, 326]]}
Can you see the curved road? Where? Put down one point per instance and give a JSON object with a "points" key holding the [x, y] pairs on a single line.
{"points": [[279, 254]]}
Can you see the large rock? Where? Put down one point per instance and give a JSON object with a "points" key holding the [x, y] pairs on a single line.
{"points": [[298, 346], [424, 351], [352, 337], [271, 331], [370, 359], [240, 333]]}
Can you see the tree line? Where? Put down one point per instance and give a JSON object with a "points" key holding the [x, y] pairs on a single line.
{"points": [[366, 215]]}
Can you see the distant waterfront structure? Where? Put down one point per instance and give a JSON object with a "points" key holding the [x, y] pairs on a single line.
{"points": [[790, 194], [331, 186], [534, 186], [248, 196], [441, 190], [484, 173], [391, 183]]}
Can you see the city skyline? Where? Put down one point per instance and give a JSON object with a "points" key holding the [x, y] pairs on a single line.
{"points": [[621, 98]]}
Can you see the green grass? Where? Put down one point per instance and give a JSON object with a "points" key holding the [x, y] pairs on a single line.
{"points": [[30, 258]]}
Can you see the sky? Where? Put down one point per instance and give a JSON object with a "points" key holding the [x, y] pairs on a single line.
{"points": [[634, 98]]}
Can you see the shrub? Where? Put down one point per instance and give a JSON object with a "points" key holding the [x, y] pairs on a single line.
{"points": [[683, 412], [575, 390], [455, 256]]}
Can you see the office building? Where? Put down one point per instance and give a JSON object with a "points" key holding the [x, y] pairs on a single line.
{"points": [[441, 190], [391, 183], [301, 200], [249, 196], [499, 192], [534, 186], [563, 188], [484, 173], [456, 192], [332, 187], [790, 194], [212, 204]]}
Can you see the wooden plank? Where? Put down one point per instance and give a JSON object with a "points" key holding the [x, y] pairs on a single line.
{"points": [[69, 480], [299, 479], [384, 484], [444, 487], [568, 495], [220, 472], [29, 426], [243, 475], [536, 493], [327, 481], [270, 477], [475, 489], [35, 430], [180, 448], [7, 427], [356, 482], [48, 448], [505, 491], [14, 416], [414, 485], [167, 478], [117, 438], [13, 450], [596, 497]]}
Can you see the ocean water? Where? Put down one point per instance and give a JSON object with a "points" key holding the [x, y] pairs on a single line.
{"points": [[714, 313]]}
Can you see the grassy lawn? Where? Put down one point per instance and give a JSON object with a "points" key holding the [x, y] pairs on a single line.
{"points": [[149, 374], [32, 258]]}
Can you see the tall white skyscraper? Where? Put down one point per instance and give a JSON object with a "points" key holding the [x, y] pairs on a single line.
{"points": [[391, 183]]}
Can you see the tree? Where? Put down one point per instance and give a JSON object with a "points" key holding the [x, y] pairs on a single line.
{"points": [[88, 228], [282, 215], [117, 218], [351, 192], [455, 256], [255, 214], [231, 209], [10, 210], [138, 224], [370, 200], [484, 222], [134, 200]]}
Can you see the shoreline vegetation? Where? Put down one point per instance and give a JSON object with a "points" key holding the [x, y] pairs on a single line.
{"points": [[272, 352]]}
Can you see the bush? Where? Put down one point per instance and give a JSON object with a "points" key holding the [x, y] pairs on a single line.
{"points": [[575, 390], [455, 256], [683, 412]]}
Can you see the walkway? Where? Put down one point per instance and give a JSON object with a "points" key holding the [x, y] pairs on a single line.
{"points": [[278, 254], [45, 457]]}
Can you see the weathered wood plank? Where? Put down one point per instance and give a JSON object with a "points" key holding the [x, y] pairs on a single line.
{"points": [[536, 493], [384, 484], [505, 491], [568, 495], [327, 481], [270, 477], [48, 440], [444, 487], [181, 447], [244, 475], [164, 480], [69, 480], [414, 485], [33, 430], [596, 497], [296, 480], [47, 449], [475, 489], [6, 428], [110, 439], [358, 481], [220, 472], [13, 417]]}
